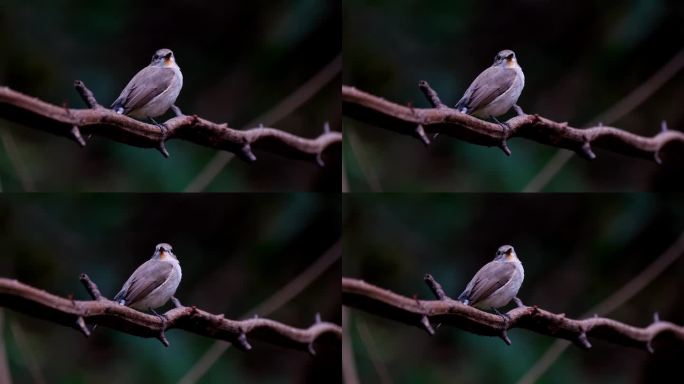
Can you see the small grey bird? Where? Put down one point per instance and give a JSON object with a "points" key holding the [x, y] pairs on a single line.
{"points": [[153, 283], [153, 90], [495, 90], [496, 283]]}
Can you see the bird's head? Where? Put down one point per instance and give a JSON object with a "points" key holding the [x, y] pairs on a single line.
{"points": [[164, 251], [506, 253], [163, 58], [506, 58]]}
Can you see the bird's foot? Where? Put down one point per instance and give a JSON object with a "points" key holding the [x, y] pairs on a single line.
{"points": [[503, 125], [161, 317], [162, 127], [506, 318]]}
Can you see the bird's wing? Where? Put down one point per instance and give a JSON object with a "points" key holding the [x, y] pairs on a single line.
{"points": [[143, 87], [486, 87], [144, 280], [487, 280]]}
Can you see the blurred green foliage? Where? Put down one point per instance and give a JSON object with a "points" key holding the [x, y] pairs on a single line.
{"points": [[576, 249], [235, 251], [580, 58], [239, 59]]}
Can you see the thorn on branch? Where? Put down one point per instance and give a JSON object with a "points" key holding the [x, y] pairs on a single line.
{"points": [[504, 336], [76, 135], [312, 351], [242, 341], [425, 323], [587, 152], [162, 337], [317, 318], [504, 147], [319, 160], [656, 317], [409, 104], [420, 132], [435, 287], [656, 157], [86, 95], [663, 126], [583, 341], [326, 127], [161, 146], [247, 151], [430, 94], [82, 326], [90, 287]]}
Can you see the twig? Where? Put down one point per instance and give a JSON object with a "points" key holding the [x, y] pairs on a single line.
{"points": [[76, 123], [361, 295], [278, 299], [406, 120], [611, 303], [293, 101], [611, 115], [73, 313]]}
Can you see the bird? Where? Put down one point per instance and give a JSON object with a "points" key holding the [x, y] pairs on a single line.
{"points": [[153, 90], [496, 283], [153, 283], [495, 90]]}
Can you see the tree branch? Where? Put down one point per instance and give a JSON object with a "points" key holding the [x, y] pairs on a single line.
{"points": [[423, 122], [101, 311], [370, 298], [97, 120]]}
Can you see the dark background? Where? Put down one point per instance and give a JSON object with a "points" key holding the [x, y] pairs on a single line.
{"points": [[579, 58], [576, 249], [235, 251], [239, 59]]}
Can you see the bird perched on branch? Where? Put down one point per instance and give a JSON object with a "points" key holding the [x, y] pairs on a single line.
{"points": [[496, 283], [153, 90], [153, 283], [495, 90]]}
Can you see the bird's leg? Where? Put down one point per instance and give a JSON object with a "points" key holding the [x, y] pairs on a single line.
{"points": [[518, 110], [504, 316], [163, 318], [518, 302], [503, 125], [176, 302], [164, 129], [176, 110]]}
